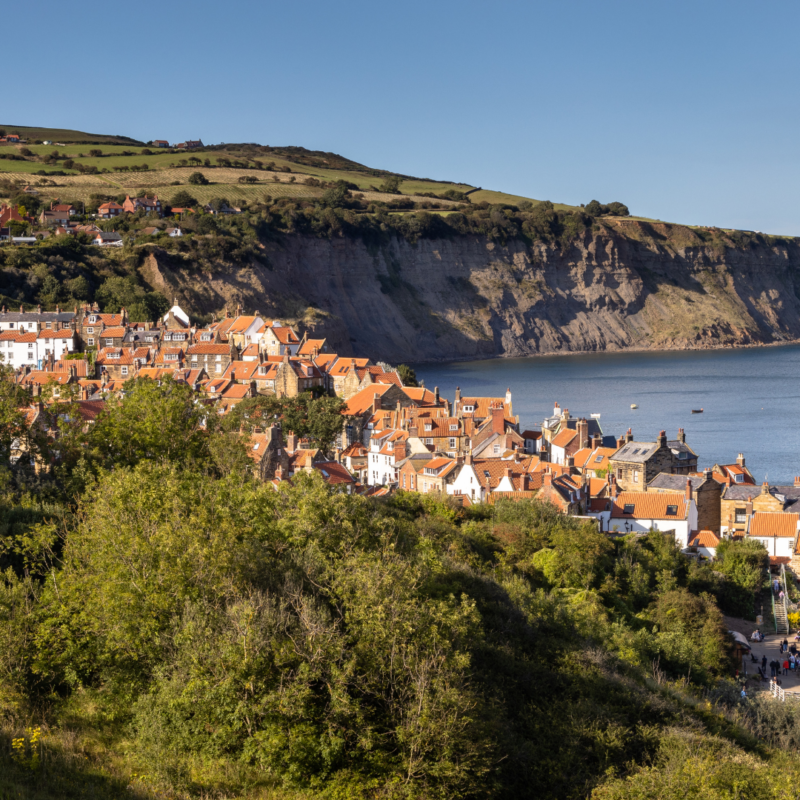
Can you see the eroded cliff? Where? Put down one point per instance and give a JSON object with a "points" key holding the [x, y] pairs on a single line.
{"points": [[623, 285]]}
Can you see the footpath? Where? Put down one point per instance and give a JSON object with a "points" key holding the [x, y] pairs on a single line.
{"points": [[770, 648]]}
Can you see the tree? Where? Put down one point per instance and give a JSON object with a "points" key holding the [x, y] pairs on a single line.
{"points": [[94, 153], [407, 375], [198, 179], [183, 199], [745, 562], [391, 185], [155, 422], [336, 196]]}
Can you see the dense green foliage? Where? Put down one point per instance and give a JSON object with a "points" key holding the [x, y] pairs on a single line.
{"points": [[227, 637]]}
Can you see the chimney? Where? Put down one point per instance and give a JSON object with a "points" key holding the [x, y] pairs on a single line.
{"points": [[400, 450], [583, 434], [413, 430], [458, 395], [524, 483], [681, 435], [498, 421], [376, 402], [507, 473], [22, 309], [662, 439], [84, 393], [740, 459], [597, 441], [629, 435], [565, 414], [707, 475], [620, 442], [291, 442], [468, 458], [548, 479], [436, 395], [765, 488], [688, 489], [796, 480], [556, 410], [279, 473], [570, 465], [748, 509]]}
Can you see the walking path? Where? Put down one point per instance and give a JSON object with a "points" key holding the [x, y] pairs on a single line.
{"points": [[770, 648]]}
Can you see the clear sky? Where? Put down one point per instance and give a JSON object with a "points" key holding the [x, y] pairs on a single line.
{"points": [[685, 111]]}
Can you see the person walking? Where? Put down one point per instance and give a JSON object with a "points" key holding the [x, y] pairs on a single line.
{"points": [[764, 663], [786, 666]]}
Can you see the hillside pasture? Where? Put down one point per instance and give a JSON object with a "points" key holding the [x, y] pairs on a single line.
{"points": [[65, 135]]}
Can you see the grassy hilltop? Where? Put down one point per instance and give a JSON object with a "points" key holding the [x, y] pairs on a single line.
{"points": [[246, 172]]}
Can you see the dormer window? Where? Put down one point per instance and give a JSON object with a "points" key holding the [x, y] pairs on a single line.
{"points": [[454, 427], [171, 356], [628, 508], [672, 511], [428, 426], [93, 318], [739, 478], [113, 355], [468, 409], [206, 337]]}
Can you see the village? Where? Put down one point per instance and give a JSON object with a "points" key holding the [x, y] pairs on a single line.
{"points": [[396, 436]]}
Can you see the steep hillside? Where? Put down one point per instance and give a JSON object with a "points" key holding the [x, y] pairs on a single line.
{"points": [[625, 284]]}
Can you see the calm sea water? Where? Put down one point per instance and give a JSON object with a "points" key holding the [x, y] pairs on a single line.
{"points": [[751, 398]]}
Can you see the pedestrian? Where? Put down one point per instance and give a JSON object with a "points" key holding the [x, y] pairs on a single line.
{"points": [[791, 663], [780, 595], [772, 668], [786, 666], [763, 662]]}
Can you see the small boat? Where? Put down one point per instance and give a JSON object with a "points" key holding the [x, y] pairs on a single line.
{"points": [[697, 411], [633, 405], [595, 416]]}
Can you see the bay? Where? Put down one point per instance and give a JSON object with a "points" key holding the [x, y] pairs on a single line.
{"points": [[750, 398]]}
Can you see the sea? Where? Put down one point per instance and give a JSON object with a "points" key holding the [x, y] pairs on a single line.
{"points": [[750, 398]]}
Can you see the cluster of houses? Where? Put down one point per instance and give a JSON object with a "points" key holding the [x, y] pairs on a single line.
{"points": [[58, 220], [397, 437]]}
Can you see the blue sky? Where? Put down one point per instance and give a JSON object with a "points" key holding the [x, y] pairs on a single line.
{"points": [[686, 112]]}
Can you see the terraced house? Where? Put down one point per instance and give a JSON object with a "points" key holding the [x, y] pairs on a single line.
{"points": [[636, 464]]}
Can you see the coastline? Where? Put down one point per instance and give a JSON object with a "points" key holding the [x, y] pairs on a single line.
{"points": [[616, 351]]}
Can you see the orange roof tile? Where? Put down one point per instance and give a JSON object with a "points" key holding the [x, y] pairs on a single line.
{"points": [[767, 523], [564, 438], [703, 539], [209, 349], [333, 472], [64, 333], [650, 505]]}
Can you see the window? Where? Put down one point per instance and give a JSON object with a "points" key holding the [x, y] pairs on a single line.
{"points": [[428, 426], [740, 515], [628, 508], [452, 444], [468, 409], [496, 449], [10, 325], [48, 324], [672, 511], [636, 476], [739, 478], [429, 441], [124, 370], [91, 342], [90, 330], [454, 427], [109, 342], [598, 459]]}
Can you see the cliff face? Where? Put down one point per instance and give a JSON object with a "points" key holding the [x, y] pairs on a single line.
{"points": [[628, 286]]}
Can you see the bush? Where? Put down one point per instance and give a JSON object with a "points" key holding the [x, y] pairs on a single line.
{"points": [[198, 179]]}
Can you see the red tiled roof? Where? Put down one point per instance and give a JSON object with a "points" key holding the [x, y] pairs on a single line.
{"points": [[209, 349], [285, 335], [704, 539], [308, 347], [333, 472], [650, 505], [64, 333], [114, 333], [768, 523], [564, 438]]}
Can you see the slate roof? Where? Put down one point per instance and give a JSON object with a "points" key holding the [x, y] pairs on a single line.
{"points": [[33, 316], [636, 452], [674, 483]]}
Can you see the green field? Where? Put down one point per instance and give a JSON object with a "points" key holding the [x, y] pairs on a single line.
{"points": [[65, 135], [116, 174]]}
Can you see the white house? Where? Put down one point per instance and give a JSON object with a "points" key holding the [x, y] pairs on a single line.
{"points": [[179, 314], [29, 348], [387, 448], [777, 531], [661, 511]]}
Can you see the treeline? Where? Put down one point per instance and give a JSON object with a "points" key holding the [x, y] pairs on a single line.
{"points": [[221, 637]]}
